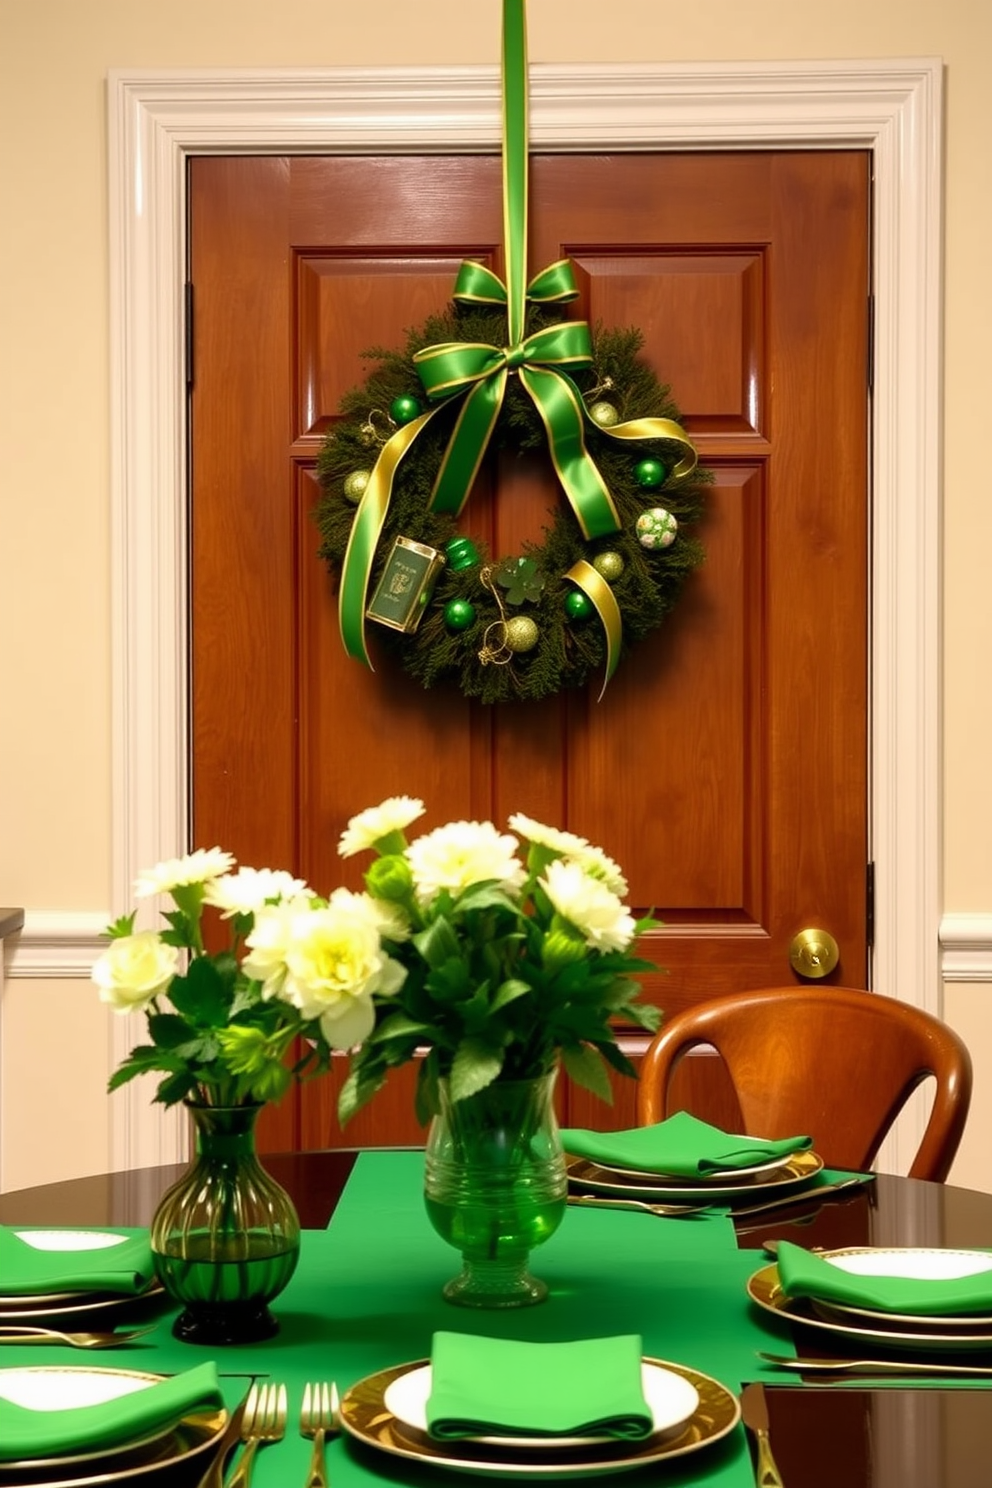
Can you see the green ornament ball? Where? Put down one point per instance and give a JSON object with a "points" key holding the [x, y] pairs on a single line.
{"points": [[578, 606], [609, 565], [458, 614], [604, 414], [355, 483], [521, 633], [404, 408], [649, 474]]}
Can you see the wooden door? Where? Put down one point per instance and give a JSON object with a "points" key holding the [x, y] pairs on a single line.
{"points": [[726, 767]]}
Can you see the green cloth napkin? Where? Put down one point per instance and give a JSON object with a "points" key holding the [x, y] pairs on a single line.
{"points": [[680, 1146], [27, 1433], [501, 1386], [27, 1272], [805, 1275]]}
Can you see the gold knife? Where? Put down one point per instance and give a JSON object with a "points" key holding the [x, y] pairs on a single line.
{"points": [[754, 1410], [214, 1475]]}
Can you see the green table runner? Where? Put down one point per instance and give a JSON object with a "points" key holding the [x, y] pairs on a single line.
{"points": [[366, 1295]]}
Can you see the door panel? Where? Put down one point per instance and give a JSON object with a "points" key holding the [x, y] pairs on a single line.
{"points": [[726, 766]]}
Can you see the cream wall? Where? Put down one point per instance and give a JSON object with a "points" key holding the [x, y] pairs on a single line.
{"points": [[55, 841]]}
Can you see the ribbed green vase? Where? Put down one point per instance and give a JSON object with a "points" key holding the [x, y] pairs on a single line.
{"points": [[225, 1238], [495, 1187]]}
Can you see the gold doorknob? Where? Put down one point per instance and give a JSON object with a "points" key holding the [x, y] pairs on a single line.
{"points": [[813, 953]]}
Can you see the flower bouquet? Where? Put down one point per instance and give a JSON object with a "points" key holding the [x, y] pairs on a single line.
{"points": [[511, 963], [221, 1025]]}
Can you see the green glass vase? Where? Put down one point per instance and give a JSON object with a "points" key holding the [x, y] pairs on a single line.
{"points": [[495, 1187], [226, 1238]]}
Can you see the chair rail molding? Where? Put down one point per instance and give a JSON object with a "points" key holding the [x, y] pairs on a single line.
{"points": [[158, 119]]}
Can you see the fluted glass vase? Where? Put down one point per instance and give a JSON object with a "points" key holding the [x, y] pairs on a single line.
{"points": [[495, 1187], [225, 1238]]}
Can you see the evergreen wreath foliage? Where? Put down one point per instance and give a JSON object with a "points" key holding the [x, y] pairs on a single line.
{"points": [[568, 651]]}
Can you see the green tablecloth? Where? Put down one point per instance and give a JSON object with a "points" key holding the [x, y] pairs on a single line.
{"points": [[366, 1295]]}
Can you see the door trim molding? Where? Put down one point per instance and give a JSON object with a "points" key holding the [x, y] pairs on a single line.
{"points": [[157, 119]]}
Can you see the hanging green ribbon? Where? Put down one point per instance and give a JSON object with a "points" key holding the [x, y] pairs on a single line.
{"points": [[477, 373]]}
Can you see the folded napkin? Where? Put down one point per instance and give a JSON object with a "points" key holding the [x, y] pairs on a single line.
{"points": [[680, 1146], [59, 1431], [805, 1275], [26, 1271], [499, 1386]]}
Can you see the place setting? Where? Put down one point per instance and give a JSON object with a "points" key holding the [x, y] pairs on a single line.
{"points": [[685, 1163], [925, 1302], [63, 1425], [88, 1281], [497, 1407]]}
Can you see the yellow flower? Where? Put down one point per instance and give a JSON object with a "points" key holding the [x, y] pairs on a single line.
{"points": [[377, 825], [589, 905], [461, 854], [198, 867], [134, 969]]}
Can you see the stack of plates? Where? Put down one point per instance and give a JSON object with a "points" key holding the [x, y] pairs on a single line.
{"points": [[62, 1388], [690, 1410], [905, 1332], [50, 1305], [767, 1179]]}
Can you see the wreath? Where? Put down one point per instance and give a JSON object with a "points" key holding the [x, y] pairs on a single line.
{"points": [[505, 370], [517, 626]]}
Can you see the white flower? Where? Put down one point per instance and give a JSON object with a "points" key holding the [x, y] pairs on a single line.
{"points": [[328, 961], [376, 822], [198, 867], [246, 891], [464, 853], [588, 905], [534, 831], [594, 861], [389, 919], [134, 969]]}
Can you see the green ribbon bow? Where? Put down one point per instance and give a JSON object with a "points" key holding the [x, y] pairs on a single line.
{"points": [[478, 373]]}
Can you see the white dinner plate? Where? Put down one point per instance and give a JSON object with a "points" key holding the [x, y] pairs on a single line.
{"points": [[919, 1264], [724, 1175], [797, 1169], [934, 1336], [672, 1399], [365, 1416], [70, 1239], [31, 1307], [65, 1387]]}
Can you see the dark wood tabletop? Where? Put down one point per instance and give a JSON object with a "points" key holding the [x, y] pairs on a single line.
{"points": [[826, 1437]]}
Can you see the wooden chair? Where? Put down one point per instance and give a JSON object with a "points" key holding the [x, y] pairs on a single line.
{"points": [[831, 1061]]}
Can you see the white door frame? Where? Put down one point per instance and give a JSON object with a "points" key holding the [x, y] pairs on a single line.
{"points": [[158, 119]]}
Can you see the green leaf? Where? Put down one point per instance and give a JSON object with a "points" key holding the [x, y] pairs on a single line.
{"points": [[615, 1056], [121, 927], [175, 1087], [204, 995], [398, 1025], [474, 1066], [584, 1065], [358, 1089], [509, 991], [644, 1014], [427, 1101], [170, 1031], [485, 896], [438, 943]]}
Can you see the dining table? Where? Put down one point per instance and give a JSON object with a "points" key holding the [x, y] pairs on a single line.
{"points": [[367, 1296]]}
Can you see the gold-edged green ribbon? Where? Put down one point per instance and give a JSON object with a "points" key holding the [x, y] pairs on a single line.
{"points": [[356, 570]]}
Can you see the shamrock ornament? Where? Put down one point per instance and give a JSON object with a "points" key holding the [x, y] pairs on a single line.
{"points": [[522, 580]]}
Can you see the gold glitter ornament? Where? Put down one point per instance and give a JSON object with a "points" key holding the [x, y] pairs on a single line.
{"points": [[610, 565], [604, 414], [355, 483], [521, 633]]}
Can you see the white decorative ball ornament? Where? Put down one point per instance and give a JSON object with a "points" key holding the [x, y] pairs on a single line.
{"points": [[656, 528]]}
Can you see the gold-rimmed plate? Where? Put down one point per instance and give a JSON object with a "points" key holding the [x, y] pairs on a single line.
{"points": [[916, 1262], [800, 1168], [48, 1306], [365, 1416], [941, 1335], [59, 1387]]}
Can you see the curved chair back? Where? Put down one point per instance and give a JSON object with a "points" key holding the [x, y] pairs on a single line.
{"points": [[835, 1062]]}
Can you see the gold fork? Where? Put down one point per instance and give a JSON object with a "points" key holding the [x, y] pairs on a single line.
{"points": [[319, 1418], [264, 1421], [9, 1334]]}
